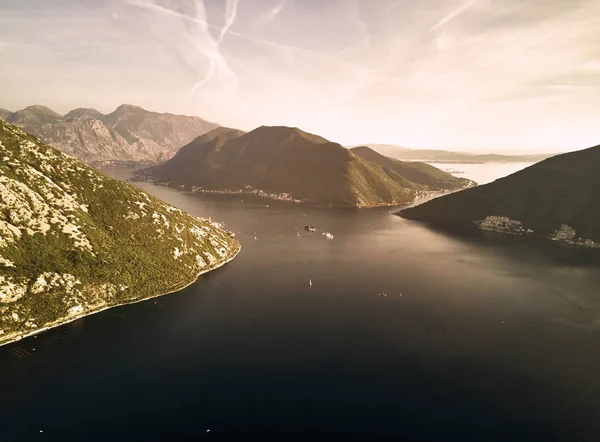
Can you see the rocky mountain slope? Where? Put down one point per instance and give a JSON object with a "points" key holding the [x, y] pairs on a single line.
{"points": [[558, 198], [129, 134], [445, 156], [73, 242], [287, 163]]}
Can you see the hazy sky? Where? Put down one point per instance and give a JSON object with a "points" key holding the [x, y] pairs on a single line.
{"points": [[503, 75]]}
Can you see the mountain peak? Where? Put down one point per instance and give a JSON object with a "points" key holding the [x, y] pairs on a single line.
{"points": [[129, 108], [84, 112], [35, 113], [129, 133], [279, 132], [39, 108]]}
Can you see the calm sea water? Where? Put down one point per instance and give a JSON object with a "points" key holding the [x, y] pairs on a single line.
{"points": [[481, 173], [477, 338]]}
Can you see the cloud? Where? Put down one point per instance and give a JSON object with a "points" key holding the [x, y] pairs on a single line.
{"points": [[258, 40], [230, 15], [190, 36], [271, 14], [455, 13], [399, 67]]}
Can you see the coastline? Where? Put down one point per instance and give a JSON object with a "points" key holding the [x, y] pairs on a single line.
{"points": [[70, 319], [419, 198]]}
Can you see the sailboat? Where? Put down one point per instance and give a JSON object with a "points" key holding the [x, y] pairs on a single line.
{"points": [[310, 283]]}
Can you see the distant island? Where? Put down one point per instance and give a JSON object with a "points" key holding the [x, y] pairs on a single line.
{"points": [[558, 198], [128, 135], [289, 164], [446, 156], [74, 242]]}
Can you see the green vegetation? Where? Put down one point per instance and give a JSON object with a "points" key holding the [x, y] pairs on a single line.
{"points": [[557, 198], [73, 241], [287, 163], [418, 173]]}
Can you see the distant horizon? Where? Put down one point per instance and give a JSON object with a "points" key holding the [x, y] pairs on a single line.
{"points": [[63, 112]]}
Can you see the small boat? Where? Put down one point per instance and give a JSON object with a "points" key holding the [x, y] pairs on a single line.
{"points": [[310, 228], [298, 233], [328, 235]]}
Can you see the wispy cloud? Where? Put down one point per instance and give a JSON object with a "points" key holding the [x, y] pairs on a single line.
{"points": [[203, 22], [476, 70], [271, 13], [453, 14], [230, 15]]}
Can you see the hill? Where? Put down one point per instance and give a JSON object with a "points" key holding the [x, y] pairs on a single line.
{"points": [[74, 242], [288, 163], [558, 198], [445, 156], [129, 134], [416, 172]]}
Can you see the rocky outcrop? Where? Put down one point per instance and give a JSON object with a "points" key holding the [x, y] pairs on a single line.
{"points": [[129, 134], [74, 242]]}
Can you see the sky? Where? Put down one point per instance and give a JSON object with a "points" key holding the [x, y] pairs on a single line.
{"points": [[507, 76]]}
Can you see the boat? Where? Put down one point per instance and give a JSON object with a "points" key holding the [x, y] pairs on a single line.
{"points": [[328, 235], [310, 228]]}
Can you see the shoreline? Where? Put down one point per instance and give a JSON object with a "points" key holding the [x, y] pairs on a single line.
{"points": [[426, 196], [65, 321]]}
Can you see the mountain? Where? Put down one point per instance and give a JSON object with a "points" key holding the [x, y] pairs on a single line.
{"points": [[84, 112], [74, 242], [4, 113], [288, 163], [558, 198], [445, 156], [129, 134], [33, 115]]}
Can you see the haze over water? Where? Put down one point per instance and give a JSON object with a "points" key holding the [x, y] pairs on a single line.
{"points": [[482, 173], [479, 337]]}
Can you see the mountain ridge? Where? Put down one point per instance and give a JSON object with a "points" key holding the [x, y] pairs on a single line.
{"points": [[286, 163], [127, 134]]}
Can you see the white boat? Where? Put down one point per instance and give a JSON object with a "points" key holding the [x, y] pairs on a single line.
{"points": [[328, 235]]}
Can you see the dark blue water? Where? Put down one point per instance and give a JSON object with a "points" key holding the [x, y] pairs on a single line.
{"points": [[492, 339]]}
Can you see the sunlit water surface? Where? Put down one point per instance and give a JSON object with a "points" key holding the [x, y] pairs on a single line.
{"points": [[481, 173]]}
